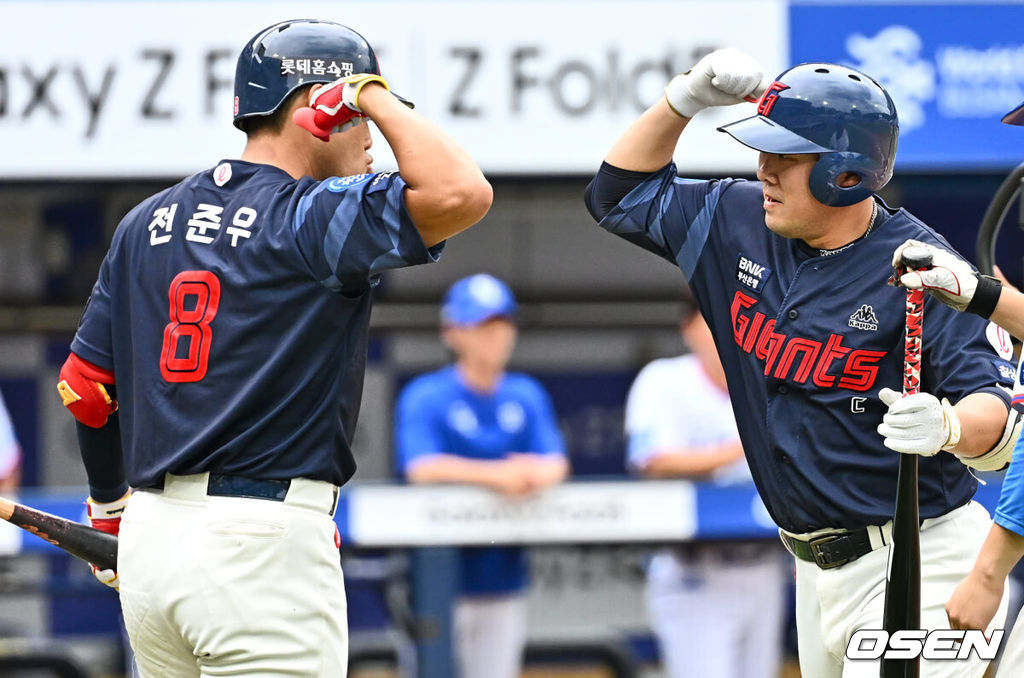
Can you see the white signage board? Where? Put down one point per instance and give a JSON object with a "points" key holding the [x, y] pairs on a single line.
{"points": [[581, 512], [144, 89]]}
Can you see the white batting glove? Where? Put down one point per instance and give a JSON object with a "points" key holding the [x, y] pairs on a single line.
{"points": [[108, 577], [950, 279], [722, 78], [918, 423]]}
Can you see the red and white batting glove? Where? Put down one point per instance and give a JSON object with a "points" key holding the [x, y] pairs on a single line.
{"points": [[335, 107], [950, 279], [107, 518]]}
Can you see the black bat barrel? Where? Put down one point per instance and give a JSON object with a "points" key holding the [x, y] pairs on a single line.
{"points": [[81, 541]]}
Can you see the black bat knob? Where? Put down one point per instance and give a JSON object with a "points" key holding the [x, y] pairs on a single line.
{"points": [[915, 258]]}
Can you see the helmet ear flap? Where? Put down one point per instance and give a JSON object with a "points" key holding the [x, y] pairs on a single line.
{"points": [[824, 179]]}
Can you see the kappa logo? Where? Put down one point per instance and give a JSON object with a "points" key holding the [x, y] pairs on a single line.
{"points": [[864, 318]]}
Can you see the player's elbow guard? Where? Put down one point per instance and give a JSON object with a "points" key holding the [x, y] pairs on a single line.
{"points": [[83, 391], [999, 457]]}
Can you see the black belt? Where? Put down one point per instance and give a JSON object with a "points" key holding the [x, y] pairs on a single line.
{"points": [[220, 485], [236, 486], [830, 550]]}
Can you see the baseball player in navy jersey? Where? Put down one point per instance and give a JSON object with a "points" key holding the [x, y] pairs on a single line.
{"points": [[218, 367], [790, 272], [474, 422], [956, 283], [716, 608]]}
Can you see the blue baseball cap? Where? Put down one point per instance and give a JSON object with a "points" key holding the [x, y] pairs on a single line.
{"points": [[472, 300]]}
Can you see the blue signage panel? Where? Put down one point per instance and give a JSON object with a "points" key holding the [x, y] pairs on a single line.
{"points": [[952, 69]]}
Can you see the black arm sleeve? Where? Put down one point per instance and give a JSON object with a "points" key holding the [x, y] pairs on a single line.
{"points": [[608, 187], [104, 465]]}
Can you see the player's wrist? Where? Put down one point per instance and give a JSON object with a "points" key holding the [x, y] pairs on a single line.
{"points": [[986, 296], [989, 575], [679, 98], [950, 426], [106, 495], [110, 509], [361, 89]]}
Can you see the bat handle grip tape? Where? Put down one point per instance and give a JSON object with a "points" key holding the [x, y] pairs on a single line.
{"points": [[912, 346]]}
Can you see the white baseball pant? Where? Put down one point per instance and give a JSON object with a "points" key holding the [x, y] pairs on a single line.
{"points": [[717, 619], [230, 586], [490, 635], [1011, 664], [832, 604]]}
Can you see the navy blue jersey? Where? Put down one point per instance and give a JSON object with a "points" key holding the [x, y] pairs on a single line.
{"points": [[438, 414], [233, 310], [807, 341]]}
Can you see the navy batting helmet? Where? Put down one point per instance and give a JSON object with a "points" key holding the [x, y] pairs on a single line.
{"points": [[833, 110], [1015, 117], [283, 57]]}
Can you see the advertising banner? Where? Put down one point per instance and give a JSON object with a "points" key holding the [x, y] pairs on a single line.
{"points": [[144, 89], [953, 70]]}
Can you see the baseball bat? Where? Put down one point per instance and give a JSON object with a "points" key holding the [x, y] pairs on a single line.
{"points": [[88, 543], [903, 585]]}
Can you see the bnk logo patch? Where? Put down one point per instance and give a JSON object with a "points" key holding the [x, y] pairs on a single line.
{"points": [[751, 274]]}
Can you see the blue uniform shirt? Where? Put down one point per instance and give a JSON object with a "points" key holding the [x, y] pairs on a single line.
{"points": [[438, 414], [233, 310], [807, 341], [1010, 511]]}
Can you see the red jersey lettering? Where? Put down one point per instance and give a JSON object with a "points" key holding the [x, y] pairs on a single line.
{"points": [[799, 358]]}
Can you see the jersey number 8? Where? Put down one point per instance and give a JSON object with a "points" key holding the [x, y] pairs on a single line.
{"points": [[195, 296]]}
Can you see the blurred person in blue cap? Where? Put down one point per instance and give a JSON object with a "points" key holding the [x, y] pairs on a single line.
{"points": [[956, 283], [473, 422]]}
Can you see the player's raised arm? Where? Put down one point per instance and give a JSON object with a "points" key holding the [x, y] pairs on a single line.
{"points": [[722, 78], [445, 190]]}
